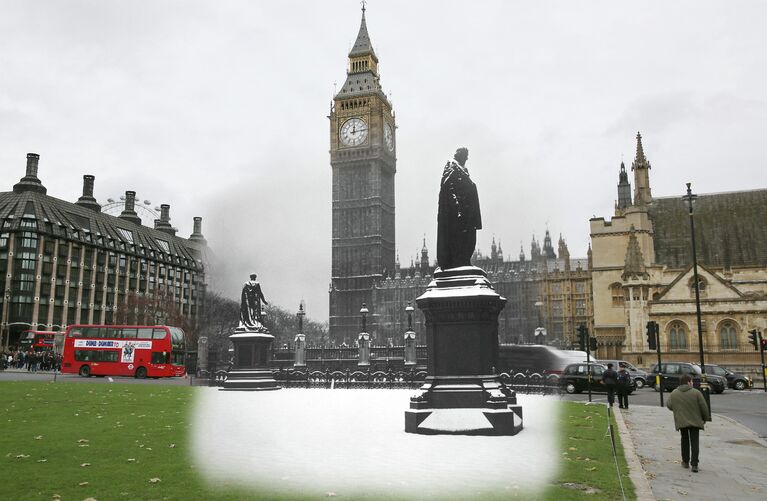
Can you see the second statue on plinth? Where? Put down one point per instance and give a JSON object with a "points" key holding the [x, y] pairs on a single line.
{"points": [[251, 317]]}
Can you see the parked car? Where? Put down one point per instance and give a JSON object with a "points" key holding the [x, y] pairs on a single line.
{"points": [[670, 372], [735, 380], [575, 378], [638, 375]]}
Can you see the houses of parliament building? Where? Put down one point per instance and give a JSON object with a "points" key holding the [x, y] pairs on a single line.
{"points": [[548, 289]]}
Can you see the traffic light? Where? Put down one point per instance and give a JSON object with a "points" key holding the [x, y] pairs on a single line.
{"points": [[753, 338], [593, 343], [764, 344], [651, 340], [582, 333]]}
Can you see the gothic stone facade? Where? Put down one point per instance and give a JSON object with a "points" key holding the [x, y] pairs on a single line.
{"points": [[642, 271], [544, 291]]}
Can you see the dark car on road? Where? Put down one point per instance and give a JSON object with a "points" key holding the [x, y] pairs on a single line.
{"points": [[670, 372], [735, 380], [638, 375], [575, 378]]}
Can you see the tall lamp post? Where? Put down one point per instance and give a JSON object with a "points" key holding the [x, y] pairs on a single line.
{"points": [[364, 312], [300, 314], [690, 199]]}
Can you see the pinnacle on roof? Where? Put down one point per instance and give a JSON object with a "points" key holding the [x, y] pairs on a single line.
{"points": [[362, 45], [623, 176], [640, 161]]}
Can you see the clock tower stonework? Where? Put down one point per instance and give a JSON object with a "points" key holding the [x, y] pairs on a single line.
{"points": [[362, 157]]}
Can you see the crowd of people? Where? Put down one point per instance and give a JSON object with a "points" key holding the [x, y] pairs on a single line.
{"points": [[31, 360]]}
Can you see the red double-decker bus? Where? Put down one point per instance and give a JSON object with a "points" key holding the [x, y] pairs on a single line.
{"points": [[37, 340], [124, 350]]}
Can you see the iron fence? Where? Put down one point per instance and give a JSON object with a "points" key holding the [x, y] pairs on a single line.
{"points": [[521, 382]]}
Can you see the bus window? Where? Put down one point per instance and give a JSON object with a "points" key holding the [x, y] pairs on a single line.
{"points": [[129, 333], [112, 332], [144, 333], [159, 334], [160, 357], [91, 332], [83, 355], [75, 333], [178, 358]]}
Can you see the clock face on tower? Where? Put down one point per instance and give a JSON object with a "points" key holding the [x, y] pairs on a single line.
{"points": [[388, 136], [354, 132]]}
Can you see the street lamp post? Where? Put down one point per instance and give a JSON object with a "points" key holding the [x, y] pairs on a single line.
{"points": [[364, 312], [300, 314], [409, 309], [690, 199]]}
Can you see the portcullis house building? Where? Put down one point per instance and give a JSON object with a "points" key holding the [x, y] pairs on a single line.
{"points": [[64, 263]]}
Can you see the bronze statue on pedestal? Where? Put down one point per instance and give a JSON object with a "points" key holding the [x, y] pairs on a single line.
{"points": [[251, 317], [458, 215]]}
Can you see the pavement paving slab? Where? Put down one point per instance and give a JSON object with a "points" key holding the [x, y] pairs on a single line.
{"points": [[732, 457]]}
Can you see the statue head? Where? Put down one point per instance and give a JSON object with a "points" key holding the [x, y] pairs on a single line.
{"points": [[253, 276], [461, 155]]}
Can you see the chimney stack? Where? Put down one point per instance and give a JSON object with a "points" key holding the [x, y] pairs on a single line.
{"points": [[129, 213], [32, 161], [30, 181], [196, 235], [87, 200], [164, 222]]}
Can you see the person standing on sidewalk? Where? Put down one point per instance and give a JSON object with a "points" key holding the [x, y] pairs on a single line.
{"points": [[624, 386], [610, 378], [690, 414]]}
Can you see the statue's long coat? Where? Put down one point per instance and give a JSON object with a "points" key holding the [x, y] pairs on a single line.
{"points": [[458, 218]]}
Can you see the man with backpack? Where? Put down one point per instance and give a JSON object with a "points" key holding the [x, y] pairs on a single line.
{"points": [[610, 378], [624, 386]]}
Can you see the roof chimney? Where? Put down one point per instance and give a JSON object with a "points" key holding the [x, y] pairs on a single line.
{"points": [[163, 224], [196, 235], [30, 181], [129, 213], [87, 200]]}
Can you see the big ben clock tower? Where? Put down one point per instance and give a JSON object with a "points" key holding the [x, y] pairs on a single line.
{"points": [[362, 156]]}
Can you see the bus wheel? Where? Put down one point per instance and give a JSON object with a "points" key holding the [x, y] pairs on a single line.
{"points": [[85, 371], [141, 373]]}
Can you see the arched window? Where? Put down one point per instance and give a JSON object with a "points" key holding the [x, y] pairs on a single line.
{"points": [[677, 336], [702, 286], [728, 339], [617, 294]]}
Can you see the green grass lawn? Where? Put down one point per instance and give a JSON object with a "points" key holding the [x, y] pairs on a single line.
{"points": [[587, 462], [118, 441]]}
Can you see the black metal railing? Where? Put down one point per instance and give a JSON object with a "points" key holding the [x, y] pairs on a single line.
{"points": [[521, 382]]}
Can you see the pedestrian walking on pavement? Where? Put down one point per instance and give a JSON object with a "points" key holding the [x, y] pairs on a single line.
{"points": [[624, 387], [690, 414], [609, 379]]}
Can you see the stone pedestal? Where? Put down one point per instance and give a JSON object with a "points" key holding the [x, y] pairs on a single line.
{"points": [[251, 369], [364, 349], [300, 351], [410, 349], [462, 393]]}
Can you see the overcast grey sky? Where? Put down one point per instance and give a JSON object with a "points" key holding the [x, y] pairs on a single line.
{"points": [[220, 109]]}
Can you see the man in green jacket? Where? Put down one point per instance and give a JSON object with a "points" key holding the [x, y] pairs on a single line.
{"points": [[690, 413]]}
